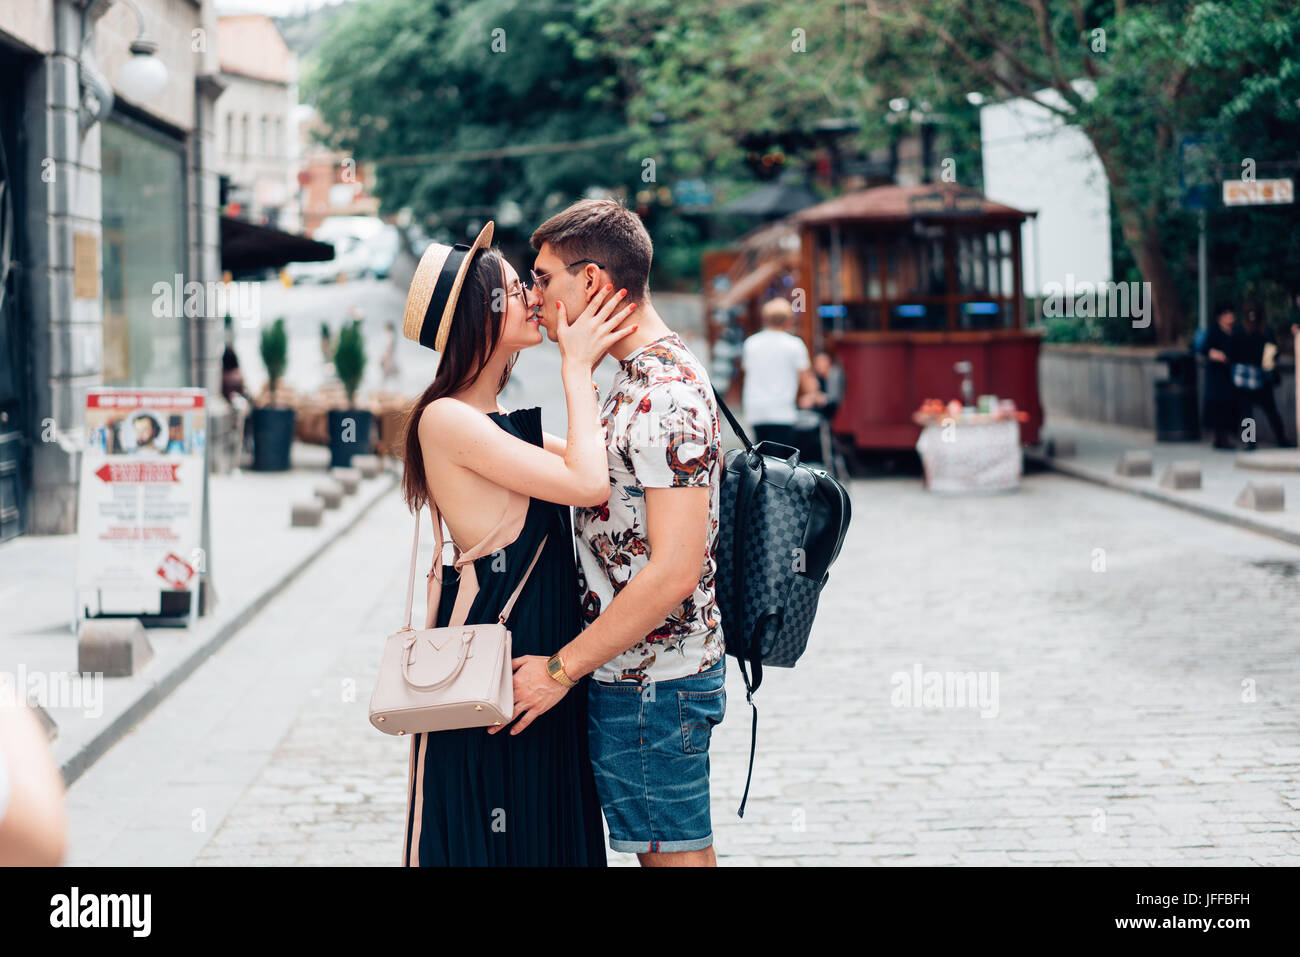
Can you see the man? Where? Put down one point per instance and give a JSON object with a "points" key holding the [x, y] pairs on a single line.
{"points": [[1220, 394], [778, 376], [147, 429], [653, 642]]}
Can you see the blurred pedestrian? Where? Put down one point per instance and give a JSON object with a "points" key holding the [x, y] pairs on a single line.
{"points": [[1220, 393], [235, 392], [326, 345], [778, 372], [388, 364], [33, 823], [817, 408], [232, 377], [1254, 372], [830, 384]]}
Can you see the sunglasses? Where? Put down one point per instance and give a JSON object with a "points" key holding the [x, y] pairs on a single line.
{"points": [[540, 278]]}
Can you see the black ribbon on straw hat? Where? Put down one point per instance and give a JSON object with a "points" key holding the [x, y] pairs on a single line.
{"points": [[435, 288]]}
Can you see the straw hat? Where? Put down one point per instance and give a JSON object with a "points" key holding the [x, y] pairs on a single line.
{"points": [[435, 289]]}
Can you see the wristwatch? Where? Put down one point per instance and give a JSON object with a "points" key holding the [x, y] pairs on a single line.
{"points": [[555, 668]]}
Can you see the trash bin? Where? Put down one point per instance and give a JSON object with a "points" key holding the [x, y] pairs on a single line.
{"points": [[1177, 419]]}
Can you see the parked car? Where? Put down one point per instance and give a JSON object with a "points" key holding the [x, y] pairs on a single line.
{"points": [[354, 256], [384, 247], [351, 261]]}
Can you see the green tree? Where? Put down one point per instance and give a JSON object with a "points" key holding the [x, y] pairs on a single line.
{"points": [[1133, 77], [461, 106]]}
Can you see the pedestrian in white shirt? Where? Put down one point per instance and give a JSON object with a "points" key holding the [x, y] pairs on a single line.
{"points": [[777, 373]]}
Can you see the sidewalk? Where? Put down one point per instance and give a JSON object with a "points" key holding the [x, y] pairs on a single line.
{"points": [[1224, 474], [254, 554]]}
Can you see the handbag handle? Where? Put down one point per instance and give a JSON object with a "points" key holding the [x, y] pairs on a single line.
{"points": [[437, 560], [450, 676]]}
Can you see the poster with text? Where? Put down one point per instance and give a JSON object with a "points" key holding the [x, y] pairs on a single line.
{"points": [[139, 521]]}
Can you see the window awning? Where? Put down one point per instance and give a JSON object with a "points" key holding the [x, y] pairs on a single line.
{"points": [[246, 247]]}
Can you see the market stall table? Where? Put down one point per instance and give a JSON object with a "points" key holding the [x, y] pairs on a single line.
{"points": [[970, 452]]}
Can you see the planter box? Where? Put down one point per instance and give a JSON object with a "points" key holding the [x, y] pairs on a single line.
{"points": [[272, 439], [350, 433]]}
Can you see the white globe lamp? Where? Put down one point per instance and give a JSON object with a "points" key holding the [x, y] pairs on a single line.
{"points": [[143, 77]]}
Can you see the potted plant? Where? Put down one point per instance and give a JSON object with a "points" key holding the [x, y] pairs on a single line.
{"points": [[350, 427], [273, 425]]}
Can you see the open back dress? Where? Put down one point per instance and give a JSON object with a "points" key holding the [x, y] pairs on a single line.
{"points": [[479, 799]]}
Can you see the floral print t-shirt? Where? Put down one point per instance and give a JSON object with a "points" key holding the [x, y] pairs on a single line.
{"points": [[661, 431]]}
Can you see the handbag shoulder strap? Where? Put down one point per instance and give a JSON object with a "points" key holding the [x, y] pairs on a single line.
{"points": [[514, 595], [435, 594]]}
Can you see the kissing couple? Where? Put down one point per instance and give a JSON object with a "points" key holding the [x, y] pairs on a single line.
{"points": [[617, 654]]}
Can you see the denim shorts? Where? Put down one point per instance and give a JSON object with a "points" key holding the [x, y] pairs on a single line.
{"points": [[650, 752]]}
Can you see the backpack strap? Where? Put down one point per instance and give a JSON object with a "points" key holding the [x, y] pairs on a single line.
{"points": [[749, 651], [731, 420]]}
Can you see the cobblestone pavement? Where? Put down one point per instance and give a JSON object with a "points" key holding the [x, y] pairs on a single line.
{"points": [[1144, 710]]}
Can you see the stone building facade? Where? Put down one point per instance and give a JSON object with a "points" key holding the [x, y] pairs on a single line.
{"points": [[101, 209]]}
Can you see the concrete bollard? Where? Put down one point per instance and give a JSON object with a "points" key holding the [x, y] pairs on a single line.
{"points": [[1060, 448], [349, 478], [1262, 497], [1134, 464], [1182, 476], [307, 514], [330, 493], [117, 647], [367, 465]]}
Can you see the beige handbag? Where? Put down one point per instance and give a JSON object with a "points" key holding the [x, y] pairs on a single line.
{"points": [[437, 679]]}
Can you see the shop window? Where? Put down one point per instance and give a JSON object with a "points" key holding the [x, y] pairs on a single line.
{"points": [[144, 244]]}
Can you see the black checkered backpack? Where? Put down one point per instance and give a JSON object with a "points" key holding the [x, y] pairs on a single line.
{"points": [[781, 526]]}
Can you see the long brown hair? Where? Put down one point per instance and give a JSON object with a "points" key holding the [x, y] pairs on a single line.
{"points": [[476, 328]]}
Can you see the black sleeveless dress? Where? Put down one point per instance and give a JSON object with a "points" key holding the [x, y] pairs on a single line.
{"points": [[479, 799]]}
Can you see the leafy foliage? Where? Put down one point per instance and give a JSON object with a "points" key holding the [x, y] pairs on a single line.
{"points": [[1151, 73], [400, 82], [275, 352], [350, 358]]}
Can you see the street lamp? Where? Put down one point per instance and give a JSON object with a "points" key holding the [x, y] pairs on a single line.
{"points": [[141, 79]]}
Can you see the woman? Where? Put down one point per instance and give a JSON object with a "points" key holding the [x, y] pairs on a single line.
{"points": [[477, 797], [1253, 371]]}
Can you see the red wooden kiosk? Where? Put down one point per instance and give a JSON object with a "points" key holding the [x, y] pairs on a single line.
{"points": [[903, 282]]}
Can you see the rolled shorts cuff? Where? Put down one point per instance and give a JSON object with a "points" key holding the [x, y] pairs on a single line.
{"points": [[660, 847]]}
